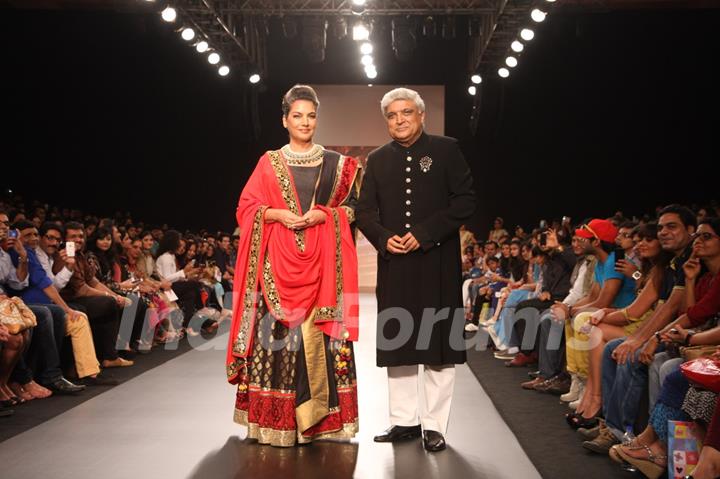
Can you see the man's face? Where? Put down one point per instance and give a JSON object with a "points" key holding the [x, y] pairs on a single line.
{"points": [[490, 249], [624, 239], [673, 235], [134, 250], [4, 226], [225, 244], [578, 245], [76, 236], [29, 237], [235, 243], [492, 266], [211, 241], [404, 121], [50, 241]]}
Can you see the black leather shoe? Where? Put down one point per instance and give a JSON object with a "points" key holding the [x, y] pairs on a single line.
{"points": [[433, 441], [102, 379], [399, 433], [63, 386]]}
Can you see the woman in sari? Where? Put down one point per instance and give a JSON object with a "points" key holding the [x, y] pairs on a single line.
{"points": [[295, 303]]}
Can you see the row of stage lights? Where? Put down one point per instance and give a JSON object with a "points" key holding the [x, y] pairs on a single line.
{"points": [[517, 46], [169, 14], [361, 34]]}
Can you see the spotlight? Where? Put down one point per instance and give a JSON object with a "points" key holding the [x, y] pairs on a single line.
{"points": [[187, 34], [476, 79], [371, 71], [527, 34], [504, 72], [429, 27], [169, 14], [538, 15], [357, 8], [403, 38], [366, 48], [314, 38], [550, 1], [359, 2], [254, 78], [214, 58], [474, 28], [366, 60], [517, 46], [224, 70], [361, 32], [339, 28], [289, 27], [472, 89], [202, 46], [511, 62], [448, 29]]}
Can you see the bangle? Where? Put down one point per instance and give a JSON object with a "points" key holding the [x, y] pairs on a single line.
{"points": [[687, 338]]}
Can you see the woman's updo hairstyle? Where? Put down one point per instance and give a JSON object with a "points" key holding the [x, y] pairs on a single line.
{"points": [[299, 92]]}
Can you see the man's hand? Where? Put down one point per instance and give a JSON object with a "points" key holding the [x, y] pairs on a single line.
{"points": [[16, 244], [410, 243], [626, 351], [647, 354], [559, 311], [69, 261], [551, 239], [395, 245], [545, 296]]}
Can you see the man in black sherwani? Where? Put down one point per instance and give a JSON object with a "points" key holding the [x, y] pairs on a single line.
{"points": [[416, 194]]}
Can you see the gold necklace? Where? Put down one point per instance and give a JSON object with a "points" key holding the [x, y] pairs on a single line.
{"points": [[302, 159]]}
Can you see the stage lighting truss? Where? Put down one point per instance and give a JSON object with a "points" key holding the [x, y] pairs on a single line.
{"points": [[238, 29]]}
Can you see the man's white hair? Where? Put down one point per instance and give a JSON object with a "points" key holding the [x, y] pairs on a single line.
{"points": [[402, 94]]}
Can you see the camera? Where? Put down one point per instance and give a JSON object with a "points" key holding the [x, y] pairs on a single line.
{"points": [[13, 234], [543, 238]]}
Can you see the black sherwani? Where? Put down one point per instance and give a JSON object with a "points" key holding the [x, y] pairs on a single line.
{"points": [[398, 196]]}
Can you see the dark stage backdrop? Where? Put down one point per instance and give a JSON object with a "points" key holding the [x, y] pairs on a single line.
{"points": [[107, 111]]}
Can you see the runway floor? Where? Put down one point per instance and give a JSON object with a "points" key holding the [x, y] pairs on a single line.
{"points": [[175, 421]]}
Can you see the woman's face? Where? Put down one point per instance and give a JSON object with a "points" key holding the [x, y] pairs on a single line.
{"points": [[514, 250], [191, 251], [526, 254], [209, 251], [301, 121], [505, 250], [497, 224], [181, 248], [707, 242], [647, 248], [147, 242], [126, 242], [116, 234], [104, 244]]}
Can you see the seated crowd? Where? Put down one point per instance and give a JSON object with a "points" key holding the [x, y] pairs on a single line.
{"points": [[80, 295], [607, 312]]}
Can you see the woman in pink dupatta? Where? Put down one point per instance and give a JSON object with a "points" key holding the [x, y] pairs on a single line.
{"points": [[295, 301]]}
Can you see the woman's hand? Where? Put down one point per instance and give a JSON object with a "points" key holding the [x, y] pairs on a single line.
{"points": [[625, 267], [692, 267], [285, 217], [311, 218]]}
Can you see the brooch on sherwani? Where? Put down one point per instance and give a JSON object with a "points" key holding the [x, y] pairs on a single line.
{"points": [[425, 163]]}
